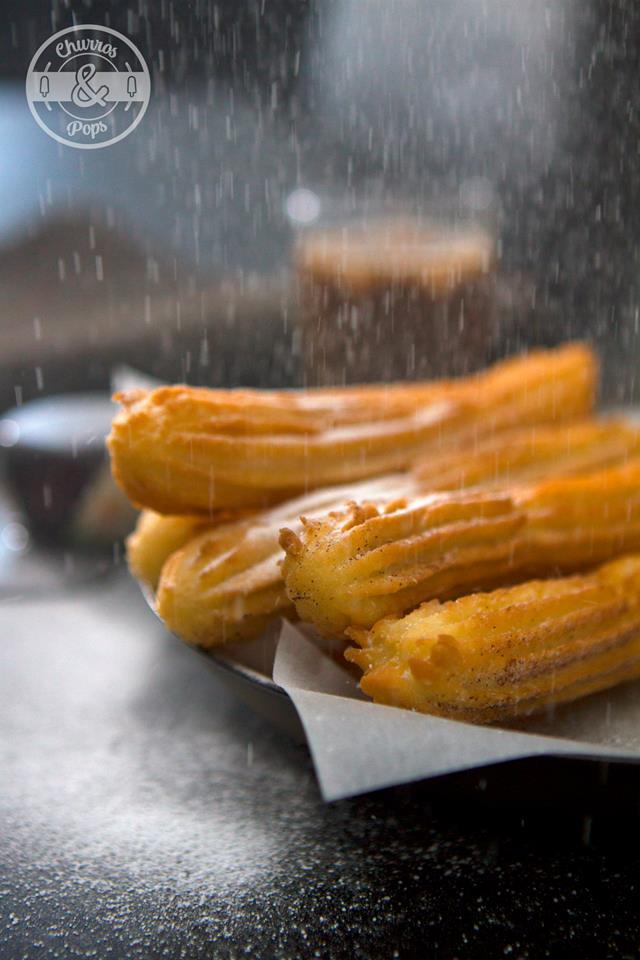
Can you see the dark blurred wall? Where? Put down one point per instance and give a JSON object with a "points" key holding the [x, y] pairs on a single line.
{"points": [[253, 43], [539, 102]]}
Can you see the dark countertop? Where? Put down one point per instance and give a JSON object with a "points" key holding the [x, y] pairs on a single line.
{"points": [[146, 813]]}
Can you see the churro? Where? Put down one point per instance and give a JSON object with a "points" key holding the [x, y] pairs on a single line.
{"points": [[186, 450], [530, 453], [191, 593], [515, 651], [154, 539], [225, 583], [357, 565]]}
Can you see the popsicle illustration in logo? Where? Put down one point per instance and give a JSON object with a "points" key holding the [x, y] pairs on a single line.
{"points": [[88, 86]]}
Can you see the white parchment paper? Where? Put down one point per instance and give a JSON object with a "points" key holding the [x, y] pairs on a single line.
{"points": [[359, 746]]}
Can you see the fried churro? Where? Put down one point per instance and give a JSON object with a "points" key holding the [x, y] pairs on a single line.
{"points": [[225, 583], [531, 453], [186, 450], [191, 593], [512, 652], [581, 520], [154, 539], [357, 565]]}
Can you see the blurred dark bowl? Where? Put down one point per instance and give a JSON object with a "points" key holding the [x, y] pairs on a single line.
{"points": [[52, 449]]}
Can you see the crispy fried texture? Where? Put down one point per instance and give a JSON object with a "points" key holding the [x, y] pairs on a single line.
{"points": [[185, 594], [185, 450], [225, 583], [174, 451], [355, 566], [518, 650], [531, 453], [581, 520], [545, 386], [154, 539]]}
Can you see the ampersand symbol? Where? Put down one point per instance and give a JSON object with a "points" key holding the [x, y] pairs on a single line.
{"points": [[83, 94]]}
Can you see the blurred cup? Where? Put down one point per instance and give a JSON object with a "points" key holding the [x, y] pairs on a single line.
{"points": [[56, 469], [391, 293]]}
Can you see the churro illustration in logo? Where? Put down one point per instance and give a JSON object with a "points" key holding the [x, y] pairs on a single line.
{"points": [[88, 86]]}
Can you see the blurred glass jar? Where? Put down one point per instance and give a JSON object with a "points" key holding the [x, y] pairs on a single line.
{"points": [[389, 293]]}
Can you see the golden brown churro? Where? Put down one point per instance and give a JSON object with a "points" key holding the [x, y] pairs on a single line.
{"points": [[422, 495], [192, 590], [582, 520], [531, 453], [515, 651], [354, 566], [225, 583], [185, 450], [197, 471], [154, 539], [545, 386]]}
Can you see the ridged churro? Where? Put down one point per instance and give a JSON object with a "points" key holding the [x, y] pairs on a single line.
{"points": [[545, 386], [355, 566], [581, 520], [530, 453], [515, 651], [191, 593], [154, 539], [185, 450], [225, 583]]}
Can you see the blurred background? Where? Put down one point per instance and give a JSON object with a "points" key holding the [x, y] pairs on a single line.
{"points": [[533, 104], [171, 251]]}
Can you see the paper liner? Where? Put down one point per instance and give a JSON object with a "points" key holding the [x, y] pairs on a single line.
{"points": [[359, 746]]}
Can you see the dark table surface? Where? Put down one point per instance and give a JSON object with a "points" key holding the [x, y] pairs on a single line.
{"points": [[145, 812]]}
